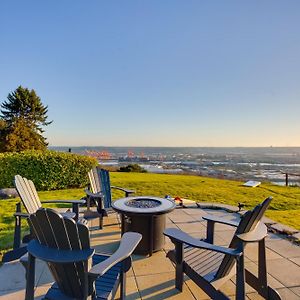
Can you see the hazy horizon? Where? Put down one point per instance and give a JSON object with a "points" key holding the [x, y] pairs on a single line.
{"points": [[127, 146]]}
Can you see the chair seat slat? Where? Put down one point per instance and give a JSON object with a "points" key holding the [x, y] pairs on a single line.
{"points": [[209, 267], [206, 262], [203, 256], [197, 255]]}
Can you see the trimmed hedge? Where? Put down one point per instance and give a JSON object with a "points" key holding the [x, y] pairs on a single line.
{"points": [[49, 170]]}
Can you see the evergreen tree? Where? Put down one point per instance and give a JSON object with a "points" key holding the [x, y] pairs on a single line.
{"points": [[22, 117], [2, 134]]}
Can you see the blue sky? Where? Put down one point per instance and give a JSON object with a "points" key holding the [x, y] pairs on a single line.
{"points": [[158, 73]]}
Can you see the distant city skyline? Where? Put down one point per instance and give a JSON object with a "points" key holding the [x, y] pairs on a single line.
{"points": [[158, 73]]}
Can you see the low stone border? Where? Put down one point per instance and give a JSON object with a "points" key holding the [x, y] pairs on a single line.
{"points": [[288, 232]]}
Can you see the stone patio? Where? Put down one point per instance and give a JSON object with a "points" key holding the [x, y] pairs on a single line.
{"points": [[153, 277]]}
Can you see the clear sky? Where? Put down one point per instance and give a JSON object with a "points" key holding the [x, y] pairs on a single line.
{"points": [[158, 73]]}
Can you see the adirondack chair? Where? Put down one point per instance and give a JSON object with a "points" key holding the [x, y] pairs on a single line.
{"points": [[79, 272], [99, 191], [32, 203], [210, 266]]}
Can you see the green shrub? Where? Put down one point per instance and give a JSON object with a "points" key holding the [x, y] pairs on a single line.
{"points": [[133, 168], [49, 170]]}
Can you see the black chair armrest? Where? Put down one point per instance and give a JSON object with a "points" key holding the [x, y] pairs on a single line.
{"points": [[21, 215], [126, 191], [93, 195], [211, 218], [58, 255], [128, 243], [178, 236], [255, 235], [81, 201]]}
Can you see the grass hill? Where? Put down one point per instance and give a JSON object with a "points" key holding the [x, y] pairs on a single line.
{"points": [[285, 207]]}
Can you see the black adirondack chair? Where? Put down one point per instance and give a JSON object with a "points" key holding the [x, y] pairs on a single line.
{"points": [[32, 203], [99, 192], [78, 271], [210, 266]]}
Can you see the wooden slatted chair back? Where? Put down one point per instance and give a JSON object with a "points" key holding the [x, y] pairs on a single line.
{"points": [[54, 231], [94, 181], [100, 182], [105, 186], [27, 193], [248, 222]]}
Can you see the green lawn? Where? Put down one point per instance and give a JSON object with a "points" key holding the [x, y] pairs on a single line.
{"points": [[285, 207]]}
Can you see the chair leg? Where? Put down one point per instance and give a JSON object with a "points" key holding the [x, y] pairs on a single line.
{"points": [[86, 282], [126, 265], [122, 286], [17, 233], [240, 280], [75, 209], [260, 282], [267, 292], [101, 222], [210, 232], [179, 266], [88, 203], [262, 267], [100, 211], [30, 278], [272, 294]]}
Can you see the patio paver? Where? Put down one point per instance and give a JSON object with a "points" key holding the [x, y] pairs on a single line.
{"points": [[153, 277]]}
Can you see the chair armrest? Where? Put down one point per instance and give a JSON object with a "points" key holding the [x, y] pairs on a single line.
{"points": [[128, 243], [93, 195], [21, 215], [126, 191], [81, 201], [178, 236], [255, 235], [215, 219], [58, 255]]}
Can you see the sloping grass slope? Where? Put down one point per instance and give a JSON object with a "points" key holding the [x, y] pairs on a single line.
{"points": [[285, 207]]}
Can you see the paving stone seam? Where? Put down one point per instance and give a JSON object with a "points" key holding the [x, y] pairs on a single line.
{"points": [[278, 290], [274, 276], [136, 283]]}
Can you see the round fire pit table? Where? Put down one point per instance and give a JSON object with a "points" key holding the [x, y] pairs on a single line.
{"points": [[147, 216]]}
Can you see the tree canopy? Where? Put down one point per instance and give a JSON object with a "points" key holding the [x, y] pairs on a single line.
{"points": [[21, 120]]}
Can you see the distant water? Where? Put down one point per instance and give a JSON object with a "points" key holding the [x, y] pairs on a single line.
{"points": [[257, 151], [266, 163]]}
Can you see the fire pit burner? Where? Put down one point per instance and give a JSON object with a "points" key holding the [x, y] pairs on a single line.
{"points": [[143, 203]]}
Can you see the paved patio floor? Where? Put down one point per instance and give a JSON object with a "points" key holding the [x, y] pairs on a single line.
{"points": [[153, 277]]}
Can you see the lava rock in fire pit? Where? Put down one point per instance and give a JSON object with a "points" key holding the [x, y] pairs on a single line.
{"points": [[143, 203]]}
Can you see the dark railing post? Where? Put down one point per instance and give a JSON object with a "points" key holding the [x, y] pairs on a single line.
{"points": [[286, 179]]}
